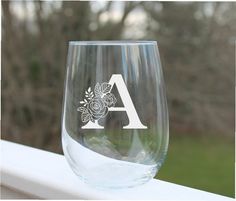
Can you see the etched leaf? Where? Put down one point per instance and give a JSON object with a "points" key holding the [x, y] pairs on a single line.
{"points": [[85, 116], [81, 109], [89, 89], [90, 95], [81, 102], [105, 88], [97, 89]]}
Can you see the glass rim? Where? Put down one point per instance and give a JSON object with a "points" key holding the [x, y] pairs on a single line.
{"points": [[114, 42]]}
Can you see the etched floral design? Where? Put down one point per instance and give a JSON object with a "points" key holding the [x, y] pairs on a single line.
{"points": [[109, 100], [96, 103]]}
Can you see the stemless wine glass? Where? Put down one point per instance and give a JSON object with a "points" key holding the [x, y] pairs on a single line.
{"points": [[115, 122]]}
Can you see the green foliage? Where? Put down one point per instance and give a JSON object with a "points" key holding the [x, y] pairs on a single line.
{"points": [[203, 163]]}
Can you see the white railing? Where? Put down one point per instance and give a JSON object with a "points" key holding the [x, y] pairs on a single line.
{"points": [[27, 172]]}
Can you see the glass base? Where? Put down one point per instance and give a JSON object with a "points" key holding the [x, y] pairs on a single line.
{"points": [[104, 172], [114, 178]]}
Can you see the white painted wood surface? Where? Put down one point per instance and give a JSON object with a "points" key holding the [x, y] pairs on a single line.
{"points": [[34, 173], [10, 193]]}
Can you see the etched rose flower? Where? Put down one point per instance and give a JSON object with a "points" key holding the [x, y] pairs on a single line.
{"points": [[96, 104], [97, 108], [109, 100]]}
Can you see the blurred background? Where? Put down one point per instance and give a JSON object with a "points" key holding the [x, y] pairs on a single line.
{"points": [[197, 49]]}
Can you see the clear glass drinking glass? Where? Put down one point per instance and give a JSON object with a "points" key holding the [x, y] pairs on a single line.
{"points": [[115, 121]]}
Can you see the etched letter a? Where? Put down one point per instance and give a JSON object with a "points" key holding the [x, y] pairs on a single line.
{"points": [[134, 121]]}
